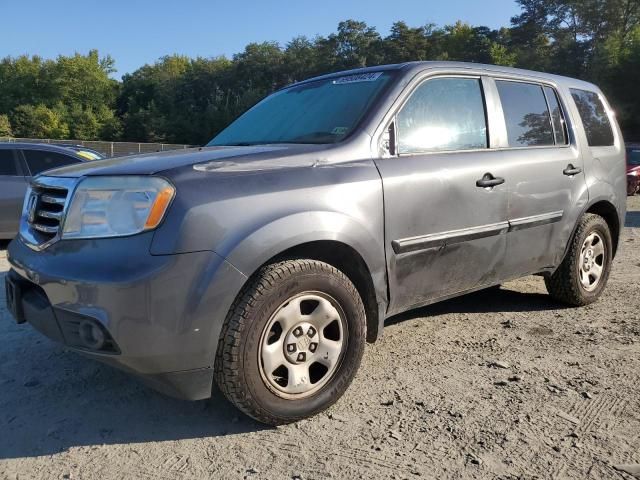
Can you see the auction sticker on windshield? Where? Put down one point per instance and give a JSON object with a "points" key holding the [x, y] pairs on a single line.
{"points": [[362, 77]]}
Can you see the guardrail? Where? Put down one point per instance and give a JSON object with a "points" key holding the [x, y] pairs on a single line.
{"points": [[110, 149]]}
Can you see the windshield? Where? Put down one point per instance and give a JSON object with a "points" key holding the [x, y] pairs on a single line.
{"points": [[633, 156], [324, 111]]}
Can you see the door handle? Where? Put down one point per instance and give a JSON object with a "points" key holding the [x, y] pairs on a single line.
{"points": [[571, 170], [489, 181]]}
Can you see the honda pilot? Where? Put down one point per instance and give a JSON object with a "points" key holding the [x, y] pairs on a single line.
{"points": [[264, 261]]}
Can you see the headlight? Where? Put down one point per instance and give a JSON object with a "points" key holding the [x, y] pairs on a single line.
{"points": [[633, 173], [117, 206]]}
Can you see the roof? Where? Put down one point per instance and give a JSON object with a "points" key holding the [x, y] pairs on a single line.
{"points": [[415, 67], [38, 146]]}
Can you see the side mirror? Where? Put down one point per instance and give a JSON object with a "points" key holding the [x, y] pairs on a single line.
{"points": [[388, 142]]}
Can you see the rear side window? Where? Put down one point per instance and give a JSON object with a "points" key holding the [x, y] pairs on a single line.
{"points": [[594, 118], [7, 163], [557, 117], [40, 160], [443, 114], [526, 114]]}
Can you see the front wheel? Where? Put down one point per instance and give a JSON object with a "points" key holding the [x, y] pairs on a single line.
{"points": [[584, 272], [292, 342]]}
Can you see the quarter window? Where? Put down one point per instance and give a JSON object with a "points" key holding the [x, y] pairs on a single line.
{"points": [[443, 114], [526, 114], [41, 160], [7, 163], [594, 118]]}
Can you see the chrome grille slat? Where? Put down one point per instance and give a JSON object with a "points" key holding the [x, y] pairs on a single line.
{"points": [[47, 214], [53, 200], [45, 229]]}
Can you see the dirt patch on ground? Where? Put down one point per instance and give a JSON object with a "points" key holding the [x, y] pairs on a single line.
{"points": [[498, 384]]}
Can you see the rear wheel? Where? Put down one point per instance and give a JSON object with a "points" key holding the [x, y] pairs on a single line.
{"points": [[584, 272], [292, 342]]}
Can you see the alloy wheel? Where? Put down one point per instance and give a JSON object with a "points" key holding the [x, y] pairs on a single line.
{"points": [[302, 345], [592, 258]]}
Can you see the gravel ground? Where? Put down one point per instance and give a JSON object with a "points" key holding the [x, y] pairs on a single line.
{"points": [[500, 384]]}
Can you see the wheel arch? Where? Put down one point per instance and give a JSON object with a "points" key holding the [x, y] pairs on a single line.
{"points": [[346, 259], [605, 208], [341, 242], [609, 212]]}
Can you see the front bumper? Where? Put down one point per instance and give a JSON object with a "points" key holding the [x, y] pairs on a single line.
{"points": [[163, 313]]}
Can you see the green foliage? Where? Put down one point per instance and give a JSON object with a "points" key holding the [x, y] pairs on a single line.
{"points": [[621, 80], [38, 121], [5, 126], [70, 96], [188, 100]]}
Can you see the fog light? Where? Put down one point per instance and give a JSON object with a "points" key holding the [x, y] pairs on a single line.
{"points": [[91, 335]]}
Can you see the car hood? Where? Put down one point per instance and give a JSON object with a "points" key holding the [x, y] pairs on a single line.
{"points": [[234, 159], [633, 168]]}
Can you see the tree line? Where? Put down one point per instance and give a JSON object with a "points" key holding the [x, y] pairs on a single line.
{"points": [[188, 100]]}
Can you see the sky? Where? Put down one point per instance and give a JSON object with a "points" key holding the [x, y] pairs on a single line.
{"points": [[136, 32]]}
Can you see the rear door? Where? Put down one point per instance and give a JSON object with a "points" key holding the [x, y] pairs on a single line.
{"points": [[13, 186], [545, 171], [445, 203]]}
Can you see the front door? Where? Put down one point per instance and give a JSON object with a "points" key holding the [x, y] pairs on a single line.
{"points": [[444, 198]]}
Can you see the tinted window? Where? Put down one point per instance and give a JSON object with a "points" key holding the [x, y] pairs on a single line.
{"points": [[443, 114], [41, 160], [557, 117], [633, 156], [526, 114], [594, 118], [7, 163]]}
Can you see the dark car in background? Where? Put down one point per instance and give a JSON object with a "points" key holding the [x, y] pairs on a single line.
{"points": [[633, 168], [21, 161]]}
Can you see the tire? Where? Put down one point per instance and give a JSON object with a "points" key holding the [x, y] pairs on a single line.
{"points": [[566, 283], [280, 297]]}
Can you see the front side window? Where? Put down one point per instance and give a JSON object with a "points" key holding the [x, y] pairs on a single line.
{"points": [[443, 114], [40, 160], [526, 114], [318, 112], [594, 118], [8, 166]]}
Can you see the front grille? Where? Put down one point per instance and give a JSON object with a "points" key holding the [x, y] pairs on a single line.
{"points": [[44, 210], [47, 210]]}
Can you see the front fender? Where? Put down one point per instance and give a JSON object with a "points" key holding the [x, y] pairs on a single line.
{"points": [[248, 218], [281, 234]]}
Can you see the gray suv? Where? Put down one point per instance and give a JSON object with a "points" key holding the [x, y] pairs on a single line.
{"points": [[266, 259]]}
